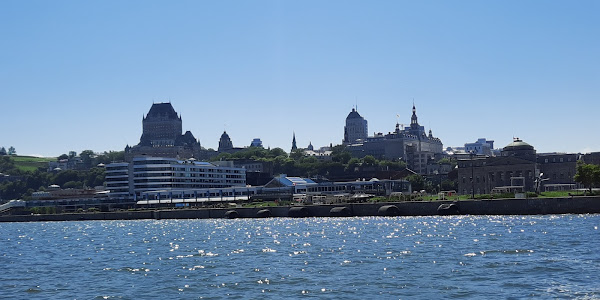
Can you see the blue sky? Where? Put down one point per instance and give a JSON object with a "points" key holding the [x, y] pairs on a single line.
{"points": [[78, 75]]}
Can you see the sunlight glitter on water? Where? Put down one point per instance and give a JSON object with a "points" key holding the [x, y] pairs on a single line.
{"points": [[342, 257]]}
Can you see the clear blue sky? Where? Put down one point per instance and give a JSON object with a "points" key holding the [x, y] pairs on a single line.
{"points": [[78, 75]]}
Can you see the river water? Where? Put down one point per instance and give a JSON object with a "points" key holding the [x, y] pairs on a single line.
{"points": [[473, 257]]}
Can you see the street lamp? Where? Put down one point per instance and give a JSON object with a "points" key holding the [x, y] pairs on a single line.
{"points": [[471, 154], [538, 182]]}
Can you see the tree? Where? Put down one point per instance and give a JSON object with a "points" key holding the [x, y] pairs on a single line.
{"points": [[3, 151], [86, 158], [339, 153], [278, 152], [588, 175], [62, 156], [12, 151], [352, 164], [416, 181], [297, 154], [369, 161], [72, 185]]}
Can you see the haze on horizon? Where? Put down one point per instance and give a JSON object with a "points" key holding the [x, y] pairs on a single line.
{"points": [[80, 75]]}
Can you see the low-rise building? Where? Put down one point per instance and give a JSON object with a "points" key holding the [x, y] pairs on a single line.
{"points": [[517, 169]]}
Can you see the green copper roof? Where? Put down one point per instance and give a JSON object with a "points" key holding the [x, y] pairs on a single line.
{"points": [[518, 144]]}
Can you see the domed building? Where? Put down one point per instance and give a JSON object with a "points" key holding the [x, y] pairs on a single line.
{"points": [[411, 143], [225, 143], [520, 149], [518, 169]]}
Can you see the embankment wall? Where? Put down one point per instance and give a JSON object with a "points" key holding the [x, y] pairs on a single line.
{"points": [[532, 206]]}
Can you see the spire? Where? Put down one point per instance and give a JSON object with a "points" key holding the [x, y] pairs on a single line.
{"points": [[294, 147], [413, 119]]}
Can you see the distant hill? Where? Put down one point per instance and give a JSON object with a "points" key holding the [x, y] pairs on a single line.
{"points": [[31, 163]]}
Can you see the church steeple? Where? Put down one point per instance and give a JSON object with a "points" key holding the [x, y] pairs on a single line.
{"points": [[413, 120], [294, 147]]}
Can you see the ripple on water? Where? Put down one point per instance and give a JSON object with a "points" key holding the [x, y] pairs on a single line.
{"points": [[426, 257]]}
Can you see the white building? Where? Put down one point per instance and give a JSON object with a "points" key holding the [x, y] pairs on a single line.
{"points": [[146, 173], [117, 180], [481, 147]]}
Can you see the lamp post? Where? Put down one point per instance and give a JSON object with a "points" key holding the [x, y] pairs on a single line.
{"points": [[538, 182], [471, 154]]}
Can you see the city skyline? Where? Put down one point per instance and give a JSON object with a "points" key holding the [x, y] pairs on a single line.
{"points": [[80, 76]]}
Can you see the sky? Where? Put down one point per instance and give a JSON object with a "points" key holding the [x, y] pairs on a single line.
{"points": [[77, 75]]}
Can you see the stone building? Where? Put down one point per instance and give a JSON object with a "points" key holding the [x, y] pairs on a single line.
{"points": [[225, 143], [591, 158], [518, 169], [558, 170], [162, 136], [356, 128], [411, 144]]}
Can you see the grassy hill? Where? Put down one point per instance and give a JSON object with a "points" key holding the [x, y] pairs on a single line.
{"points": [[31, 163]]}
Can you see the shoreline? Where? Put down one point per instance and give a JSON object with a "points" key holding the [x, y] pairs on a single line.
{"points": [[531, 206]]}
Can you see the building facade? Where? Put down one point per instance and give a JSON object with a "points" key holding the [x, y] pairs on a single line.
{"points": [[162, 136], [518, 169], [168, 174], [481, 147], [411, 144], [356, 128]]}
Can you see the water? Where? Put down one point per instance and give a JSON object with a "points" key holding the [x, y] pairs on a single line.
{"points": [[475, 257]]}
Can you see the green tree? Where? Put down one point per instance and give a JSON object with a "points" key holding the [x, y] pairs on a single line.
{"points": [[588, 175], [3, 151], [65, 176], [339, 153], [416, 181], [62, 156], [352, 164], [369, 161], [86, 158], [275, 152], [449, 185], [72, 185], [297, 154], [110, 156], [12, 151]]}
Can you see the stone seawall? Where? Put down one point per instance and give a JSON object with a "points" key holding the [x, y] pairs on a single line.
{"points": [[532, 206]]}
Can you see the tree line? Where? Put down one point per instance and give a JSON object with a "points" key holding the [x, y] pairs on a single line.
{"points": [[11, 151], [27, 182]]}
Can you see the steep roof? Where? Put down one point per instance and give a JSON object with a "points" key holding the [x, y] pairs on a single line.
{"points": [[353, 115], [162, 110]]}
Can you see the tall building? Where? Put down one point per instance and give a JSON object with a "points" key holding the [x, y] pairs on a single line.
{"points": [[161, 126], [356, 128], [162, 136], [225, 143]]}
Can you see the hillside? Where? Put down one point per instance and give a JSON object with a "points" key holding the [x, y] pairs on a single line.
{"points": [[31, 163]]}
